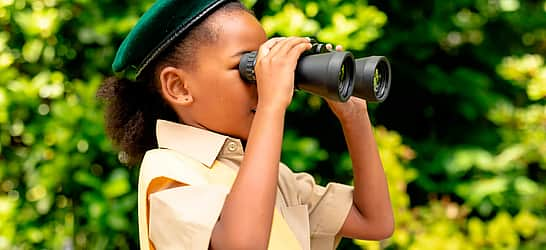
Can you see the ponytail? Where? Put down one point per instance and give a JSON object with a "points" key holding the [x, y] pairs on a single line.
{"points": [[132, 108]]}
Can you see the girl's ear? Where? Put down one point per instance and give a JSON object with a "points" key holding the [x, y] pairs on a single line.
{"points": [[174, 86]]}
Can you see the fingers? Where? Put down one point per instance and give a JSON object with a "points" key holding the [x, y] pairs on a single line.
{"points": [[275, 65], [299, 49], [293, 50], [283, 46], [266, 47], [288, 47], [338, 47], [288, 44]]}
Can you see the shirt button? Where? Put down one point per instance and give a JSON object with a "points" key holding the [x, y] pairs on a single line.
{"points": [[232, 146]]}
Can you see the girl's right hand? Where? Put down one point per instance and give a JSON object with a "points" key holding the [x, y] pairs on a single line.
{"points": [[275, 69]]}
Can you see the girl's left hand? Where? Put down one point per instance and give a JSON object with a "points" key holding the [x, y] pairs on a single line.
{"points": [[354, 107]]}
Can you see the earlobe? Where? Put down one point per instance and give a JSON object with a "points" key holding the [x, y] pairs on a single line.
{"points": [[174, 86]]}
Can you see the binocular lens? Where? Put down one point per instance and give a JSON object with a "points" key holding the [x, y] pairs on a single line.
{"points": [[382, 79], [345, 80], [376, 81], [335, 75], [342, 74]]}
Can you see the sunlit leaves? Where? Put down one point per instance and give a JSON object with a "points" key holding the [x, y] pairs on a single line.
{"points": [[467, 19], [526, 223], [445, 229], [351, 24], [52, 137], [6, 57], [117, 184], [3, 107], [528, 71], [509, 5], [42, 22], [4, 3], [290, 21], [8, 209], [354, 26]]}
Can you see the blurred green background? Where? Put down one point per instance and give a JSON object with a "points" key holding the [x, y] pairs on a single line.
{"points": [[462, 135]]}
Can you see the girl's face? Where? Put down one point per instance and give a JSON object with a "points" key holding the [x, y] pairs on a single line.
{"points": [[222, 101]]}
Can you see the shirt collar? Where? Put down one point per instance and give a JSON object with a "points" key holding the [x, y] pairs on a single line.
{"points": [[200, 144]]}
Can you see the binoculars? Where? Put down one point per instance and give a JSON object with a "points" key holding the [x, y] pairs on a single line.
{"points": [[335, 75]]}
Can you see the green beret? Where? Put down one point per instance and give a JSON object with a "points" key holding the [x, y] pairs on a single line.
{"points": [[162, 24]]}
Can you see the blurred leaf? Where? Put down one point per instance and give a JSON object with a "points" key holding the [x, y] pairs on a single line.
{"points": [[117, 184]]}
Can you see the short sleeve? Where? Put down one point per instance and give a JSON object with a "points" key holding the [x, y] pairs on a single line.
{"points": [[184, 217], [328, 208]]}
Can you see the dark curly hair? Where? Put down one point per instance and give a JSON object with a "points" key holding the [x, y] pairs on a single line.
{"points": [[132, 107]]}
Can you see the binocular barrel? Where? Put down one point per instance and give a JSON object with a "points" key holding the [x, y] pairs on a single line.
{"points": [[335, 75], [372, 78], [329, 75]]}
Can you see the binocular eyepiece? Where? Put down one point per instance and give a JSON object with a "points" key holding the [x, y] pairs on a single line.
{"points": [[335, 75]]}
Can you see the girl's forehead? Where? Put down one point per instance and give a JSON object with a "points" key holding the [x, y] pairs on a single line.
{"points": [[240, 30]]}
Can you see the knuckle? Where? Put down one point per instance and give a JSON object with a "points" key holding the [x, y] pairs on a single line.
{"points": [[274, 60], [261, 62]]}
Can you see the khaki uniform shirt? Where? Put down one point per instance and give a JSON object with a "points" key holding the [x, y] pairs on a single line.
{"points": [[183, 217]]}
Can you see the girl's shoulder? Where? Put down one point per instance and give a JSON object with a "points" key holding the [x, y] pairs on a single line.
{"points": [[171, 164]]}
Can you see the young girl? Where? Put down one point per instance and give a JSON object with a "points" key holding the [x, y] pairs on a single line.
{"points": [[210, 143]]}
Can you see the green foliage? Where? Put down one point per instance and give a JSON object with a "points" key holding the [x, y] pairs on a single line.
{"points": [[464, 152], [353, 24], [61, 183]]}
